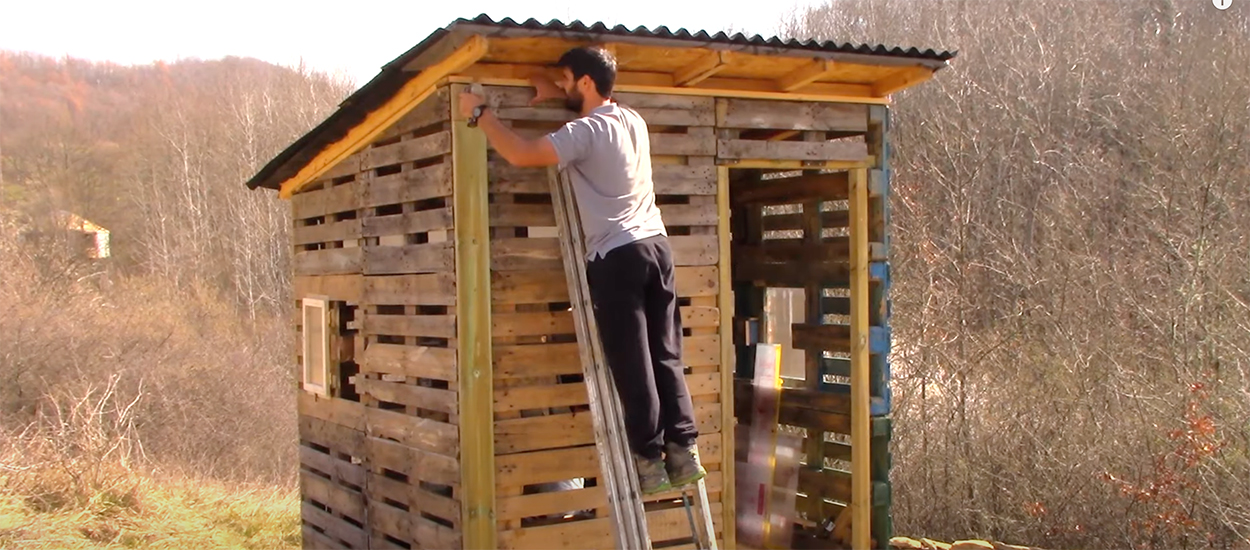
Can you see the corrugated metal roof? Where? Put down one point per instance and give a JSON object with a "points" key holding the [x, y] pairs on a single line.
{"points": [[703, 37], [393, 75]]}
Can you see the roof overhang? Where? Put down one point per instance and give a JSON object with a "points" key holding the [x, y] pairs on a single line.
{"points": [[660, 61]]}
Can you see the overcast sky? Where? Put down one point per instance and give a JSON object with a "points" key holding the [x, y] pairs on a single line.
{"points": [[354, 38]]}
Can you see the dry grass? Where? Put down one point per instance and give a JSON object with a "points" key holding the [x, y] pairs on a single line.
{"points": [[143, 512]]}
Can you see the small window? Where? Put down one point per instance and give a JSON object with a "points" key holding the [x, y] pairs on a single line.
{"points": [[315, 375]]}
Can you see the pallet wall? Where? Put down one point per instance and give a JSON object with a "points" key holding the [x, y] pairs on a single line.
{"points": [[382, 457], [379, 456], [543, 432], [791, 231]]}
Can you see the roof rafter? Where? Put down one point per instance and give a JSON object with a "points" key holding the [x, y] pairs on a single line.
{"points": [[378, 120]]}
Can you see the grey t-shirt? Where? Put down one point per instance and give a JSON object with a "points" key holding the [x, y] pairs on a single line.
{"points": [[607, 155]]}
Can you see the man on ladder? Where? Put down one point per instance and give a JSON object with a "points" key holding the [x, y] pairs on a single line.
{"points": [[606, 153]]}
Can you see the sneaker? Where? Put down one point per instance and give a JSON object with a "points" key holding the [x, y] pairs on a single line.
{"points": [[683, 464], [652, 478]]}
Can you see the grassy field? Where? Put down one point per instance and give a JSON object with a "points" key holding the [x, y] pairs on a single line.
{"points": [[137, 512]]}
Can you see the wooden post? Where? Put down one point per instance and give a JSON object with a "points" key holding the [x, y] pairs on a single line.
{"points": [[861, 434], [727, 356], [879, 319], [473, 331]]}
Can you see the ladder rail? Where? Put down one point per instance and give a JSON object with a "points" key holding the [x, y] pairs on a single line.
{"points": [[620, 477]]}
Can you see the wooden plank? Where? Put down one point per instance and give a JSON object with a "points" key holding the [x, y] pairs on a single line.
{"points": [[417, 499], [542, 215], [791, 222], [432, 289], [409, 150], [413, 462], [417, 396], [666, 524], [669, 179], [340, 499], [680, 179], [798, 397], [660, 83], [332, 231], [697, 141], [420, 184], [513, 103], [701, 350], [320, 202], [411, 361], [676, 215], [509, 325], [519, 254], [806, 74], [547, 466], [691, 250], [725, 307], [786, 251], [434, 109], [409, 527], [902, 79], [411, 94], [311, 538], [522, 254], [424, 221], [336, 529], [829, 275], [792, 150], [522, 215], [861, 435], [341, 470], [336, 437], [519, 435], [538, 287], [836, 338], [407, 259], [420, 433], [346, 288], [433, 326], [517, 398], [329, 261], [798, 189], [710, 63], [561, 502], [472, 265], [523, 361], [335, 411]]}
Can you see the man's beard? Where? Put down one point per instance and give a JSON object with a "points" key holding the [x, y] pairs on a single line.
{"points": [[574, 101]]}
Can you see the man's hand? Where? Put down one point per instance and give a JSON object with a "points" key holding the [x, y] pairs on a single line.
{"points": [[544, 89], [469, 100]]}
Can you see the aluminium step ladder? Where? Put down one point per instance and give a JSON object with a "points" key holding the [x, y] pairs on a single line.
{"points": [[619, 471]]}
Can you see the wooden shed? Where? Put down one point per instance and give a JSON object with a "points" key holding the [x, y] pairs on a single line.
{"points": [[441, 399]]}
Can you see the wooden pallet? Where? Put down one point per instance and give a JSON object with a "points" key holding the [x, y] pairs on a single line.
{"points": [[543, 431]]}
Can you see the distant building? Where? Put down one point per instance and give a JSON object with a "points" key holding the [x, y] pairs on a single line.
{"points": [[84, 238]]}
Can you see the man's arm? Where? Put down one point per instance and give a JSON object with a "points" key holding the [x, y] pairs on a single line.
{"points": [[516, 149]]}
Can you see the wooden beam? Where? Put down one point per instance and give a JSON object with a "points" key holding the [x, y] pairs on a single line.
{"points": [[409, 96], [861, 434], [805, 75], [711, 63], [505, 74], [727, 355], [473, 331], [773, 164], [902, 79]]}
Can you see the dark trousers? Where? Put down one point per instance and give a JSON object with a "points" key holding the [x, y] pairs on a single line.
{"points": [[635, 301]]}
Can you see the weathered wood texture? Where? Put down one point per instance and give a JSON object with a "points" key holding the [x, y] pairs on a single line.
{"points": [[793, 230], [543, 431]]}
